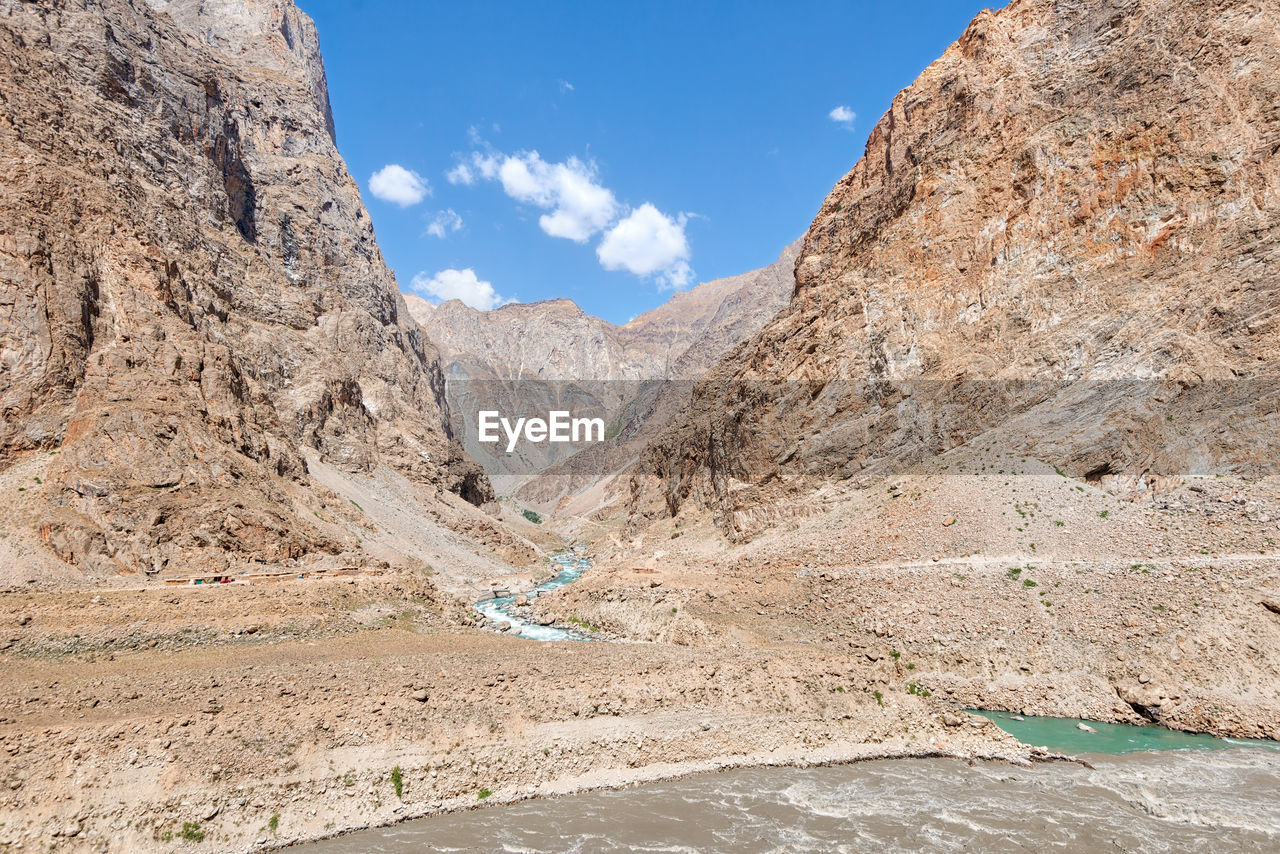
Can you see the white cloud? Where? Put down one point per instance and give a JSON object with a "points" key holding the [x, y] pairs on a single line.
{"points": [[462, 285], [398, 185], [579, 205], [445, 221], [472, 169], [647, 242], [643, 241], [566, 86], [842, 115]]}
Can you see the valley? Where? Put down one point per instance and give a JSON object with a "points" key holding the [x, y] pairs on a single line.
{"points": [[997, 433]]}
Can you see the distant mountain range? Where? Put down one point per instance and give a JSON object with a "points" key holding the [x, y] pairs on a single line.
{"points": [[526, 359]]}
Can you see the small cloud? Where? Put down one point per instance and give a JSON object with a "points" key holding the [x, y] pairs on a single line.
{"points": [[462, 285], [647, 242], [469, 170], [842, 115], [566, 86], [393, 183], [445, 221]]}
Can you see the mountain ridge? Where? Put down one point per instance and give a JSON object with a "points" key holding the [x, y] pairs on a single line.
{"points": [[525, 359]]}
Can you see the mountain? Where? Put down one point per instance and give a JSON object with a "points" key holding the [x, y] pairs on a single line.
{"points": [[192, 302], [1063, 235], [527, 359]]}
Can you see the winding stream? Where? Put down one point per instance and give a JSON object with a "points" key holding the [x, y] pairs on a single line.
{"points": [[572, 562]]}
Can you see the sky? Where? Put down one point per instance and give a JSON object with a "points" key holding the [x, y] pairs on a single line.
{"points": [[608, 152]]}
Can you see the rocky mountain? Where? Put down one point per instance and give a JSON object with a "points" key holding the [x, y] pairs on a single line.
{"points": [[705, 322], [1062, 236], [527, 359], [191, 296]]}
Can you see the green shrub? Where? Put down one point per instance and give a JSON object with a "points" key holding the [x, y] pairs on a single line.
{"points": [[532, 517], [397, 780]]}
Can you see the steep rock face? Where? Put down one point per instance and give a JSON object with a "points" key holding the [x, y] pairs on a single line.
{"points": [[190, 288], [526, 359], [1065, 230]]}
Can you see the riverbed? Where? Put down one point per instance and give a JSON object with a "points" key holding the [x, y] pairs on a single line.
{"points": [[1139, 789]]}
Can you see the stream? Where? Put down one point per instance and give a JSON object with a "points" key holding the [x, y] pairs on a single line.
{"points": [[572, 562]]}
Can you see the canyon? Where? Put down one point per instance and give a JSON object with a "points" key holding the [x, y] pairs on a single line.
{"points": [[997, 433]]}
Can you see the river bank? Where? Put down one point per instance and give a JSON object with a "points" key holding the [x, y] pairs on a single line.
{"points": [[285, 719], [238, 718]]}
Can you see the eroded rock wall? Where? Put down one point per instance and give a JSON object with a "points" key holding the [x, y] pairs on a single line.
{"points": [[1066, 230], [190, 288]]}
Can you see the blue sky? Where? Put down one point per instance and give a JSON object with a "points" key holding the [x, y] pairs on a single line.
{"points": [[675, 142]]}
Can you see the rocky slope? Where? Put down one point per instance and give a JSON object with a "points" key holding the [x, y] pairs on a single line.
{"points": [[190, 293], [1066, 231], [527, 359]]}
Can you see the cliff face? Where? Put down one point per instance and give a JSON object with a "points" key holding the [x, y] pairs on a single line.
{"points": [[1066, 231], [527, 359], [190, 289]]}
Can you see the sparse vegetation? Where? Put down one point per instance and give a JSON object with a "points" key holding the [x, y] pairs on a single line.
{"points": [[273, 824], [879, 697], [484, 793], [397, 780], [191, 831]]}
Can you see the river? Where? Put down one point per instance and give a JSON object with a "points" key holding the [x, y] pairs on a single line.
{"points": [[1195, 800], [1149, 790], [572, 562]]}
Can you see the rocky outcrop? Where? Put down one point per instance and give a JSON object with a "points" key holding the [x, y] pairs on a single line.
{"points": [[190, 288], [1065, 231], [527, 359]]}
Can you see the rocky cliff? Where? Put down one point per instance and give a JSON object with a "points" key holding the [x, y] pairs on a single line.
{"points": [[191, 292], [1066, 231]]}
